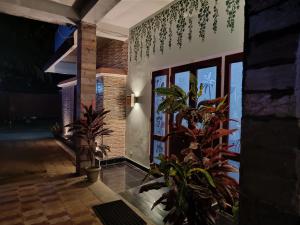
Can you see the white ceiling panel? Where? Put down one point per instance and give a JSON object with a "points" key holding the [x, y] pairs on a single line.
{"points": [[128, 13]]}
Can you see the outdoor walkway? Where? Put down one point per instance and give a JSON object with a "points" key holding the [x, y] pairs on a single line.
{"points": [[37, 186]]}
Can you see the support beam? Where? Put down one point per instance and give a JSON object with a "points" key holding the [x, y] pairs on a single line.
{"points": [[46, 6], [99, 10], [112, 31]]}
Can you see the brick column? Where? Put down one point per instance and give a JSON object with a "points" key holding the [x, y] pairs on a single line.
{"points": [[270, 157], [86, 65], [86, 75]]}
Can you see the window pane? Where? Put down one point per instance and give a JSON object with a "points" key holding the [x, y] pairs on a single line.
{"points": [[235, 106], [235, 110], [159, 117], [158, 149], [182, 80], [236, 164], [208, 78]]}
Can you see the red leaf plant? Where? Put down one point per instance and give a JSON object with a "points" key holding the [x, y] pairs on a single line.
{"points": [[90, 127], [198, 185]]}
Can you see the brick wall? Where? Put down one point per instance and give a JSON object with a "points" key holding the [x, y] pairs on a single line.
{"points": [[114, 99], [270, 158], [112, 54]]}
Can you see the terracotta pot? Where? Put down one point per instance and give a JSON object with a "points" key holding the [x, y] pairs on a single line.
{"points": [[93, 174]]}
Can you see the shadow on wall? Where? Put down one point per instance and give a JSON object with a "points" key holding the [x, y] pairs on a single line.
{"points": [[18, 106]]}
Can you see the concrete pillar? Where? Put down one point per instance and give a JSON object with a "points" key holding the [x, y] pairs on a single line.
{"points": [[86, 77], [270, 153]]}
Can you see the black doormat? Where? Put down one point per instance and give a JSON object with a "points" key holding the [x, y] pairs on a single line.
{"points": [[117, 213]]}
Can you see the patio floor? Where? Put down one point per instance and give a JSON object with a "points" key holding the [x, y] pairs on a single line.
{"points": [[37, 186]]}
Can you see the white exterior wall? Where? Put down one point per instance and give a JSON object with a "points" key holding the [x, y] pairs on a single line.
{"points": [[222, 43]]}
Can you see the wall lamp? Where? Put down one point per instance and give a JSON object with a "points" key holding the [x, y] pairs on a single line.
{"points": [[131, 100]]}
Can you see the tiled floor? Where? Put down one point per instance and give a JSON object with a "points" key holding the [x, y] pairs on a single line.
{"points": [[144, 202], [122, 177], [37, 186]]}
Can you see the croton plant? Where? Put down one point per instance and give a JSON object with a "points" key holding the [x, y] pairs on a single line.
{"points": [[198, 184], [90, 127]]}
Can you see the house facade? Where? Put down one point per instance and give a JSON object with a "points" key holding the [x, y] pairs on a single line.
{"points": [[247, 50], [131, 67]]}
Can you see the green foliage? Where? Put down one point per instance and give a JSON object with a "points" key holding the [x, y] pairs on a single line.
{"points": [[90, 127], [198, 187], [178, 18]]}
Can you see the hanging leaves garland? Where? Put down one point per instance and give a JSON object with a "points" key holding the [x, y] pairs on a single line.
{"points": [[181, 23], [181, 14], [163, 30], [192, 7], [173, 17], [148, 26], [231, 8], [203, 17], [215, 17]]}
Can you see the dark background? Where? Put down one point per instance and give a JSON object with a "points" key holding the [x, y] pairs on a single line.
{"points": [[25, 90], [25, 47]]}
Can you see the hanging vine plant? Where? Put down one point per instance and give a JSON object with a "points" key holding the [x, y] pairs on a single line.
{"points": [[192, 7], [181, 23], [172, 18], [163, 29], [181, 14], [148, 37], [215, 17], [231, 8], [156, 24], [203, 17]]}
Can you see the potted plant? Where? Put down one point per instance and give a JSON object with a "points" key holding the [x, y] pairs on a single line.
{"points": [[88, 129], [198, 185]]}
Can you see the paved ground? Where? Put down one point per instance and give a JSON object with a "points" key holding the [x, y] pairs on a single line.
{"points": [[37, 186]]}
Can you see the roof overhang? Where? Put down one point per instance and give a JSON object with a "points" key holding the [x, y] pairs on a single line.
{"points": [[56, 63], [101, 72]]}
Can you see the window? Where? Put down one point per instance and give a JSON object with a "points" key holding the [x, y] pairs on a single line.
{"points": [[208, 73], [233, 89], [158, 119]]}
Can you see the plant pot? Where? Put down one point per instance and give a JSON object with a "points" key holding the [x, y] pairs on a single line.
{"points": [[93, 174]]}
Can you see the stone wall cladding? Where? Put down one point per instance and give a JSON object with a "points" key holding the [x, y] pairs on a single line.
{"points": [[67, 100], [270, 153], [114, 99], [86, 69], [86, 77], [112, 54]]}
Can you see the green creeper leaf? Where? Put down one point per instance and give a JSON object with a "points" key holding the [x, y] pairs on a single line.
{"points": [[205, 173]]}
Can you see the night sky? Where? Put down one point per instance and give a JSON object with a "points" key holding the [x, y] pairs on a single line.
{"points": [[25, 46]]}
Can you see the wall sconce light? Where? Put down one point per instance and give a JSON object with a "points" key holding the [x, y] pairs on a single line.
{"points": [[131, 100]]}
